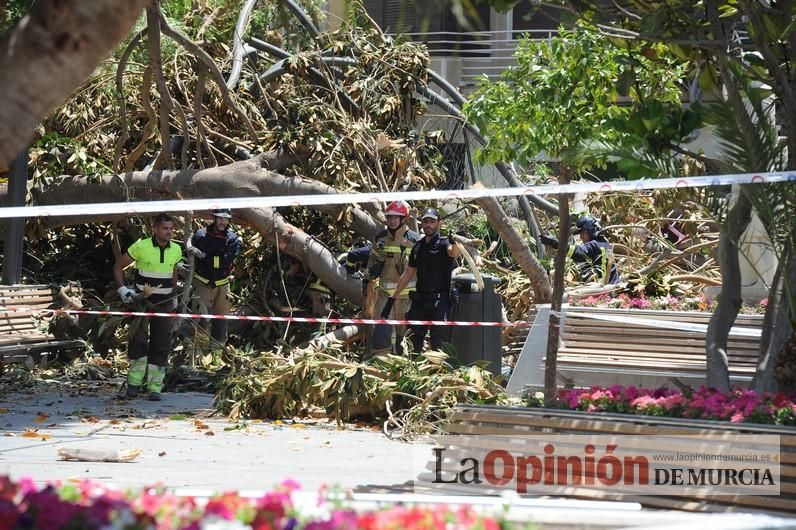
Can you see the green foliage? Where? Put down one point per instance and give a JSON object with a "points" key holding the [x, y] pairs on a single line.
{"points": [[11, 11], [420, 391], [55, 154], [567, 91]]}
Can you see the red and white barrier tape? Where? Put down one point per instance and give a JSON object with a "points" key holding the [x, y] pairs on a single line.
{"points": [[139, 207], [738, 331], [308, 320]]}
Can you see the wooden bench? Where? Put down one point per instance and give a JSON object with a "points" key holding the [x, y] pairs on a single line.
{"points": [[606, 350], [594, 345], [23, 326], [482, 428]]}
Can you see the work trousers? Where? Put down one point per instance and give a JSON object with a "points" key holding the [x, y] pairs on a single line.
{"points": [[428, 306], [215, 301], [381, 340], [152, 338]]}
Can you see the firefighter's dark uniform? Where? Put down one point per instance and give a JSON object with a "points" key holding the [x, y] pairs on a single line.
{"points": [[592, 259], [431, 299], [149, 347], [212, 274]]}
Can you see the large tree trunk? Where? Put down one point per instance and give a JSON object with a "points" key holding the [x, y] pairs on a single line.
{"points": [[255, 177], [778, 321], [554, 330], [542, 291], [48, 54], [240, 179], [305, 248], [729, 300]]}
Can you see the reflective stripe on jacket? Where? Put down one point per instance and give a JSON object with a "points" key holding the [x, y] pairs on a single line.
{"points": [[154, 264]]}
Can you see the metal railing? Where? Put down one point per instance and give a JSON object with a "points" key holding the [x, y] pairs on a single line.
{"points": [[479, 52]]}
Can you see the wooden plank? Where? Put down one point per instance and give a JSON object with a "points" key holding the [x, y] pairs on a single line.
{"points": [[641, 332], [570, 370], [16, 331], [643, 349], [21, 290], [629, 356], [630, 328], [586, 319], [41, 346], [657, 314], [646, 360], [683, 365], [18, 302], [656, 338]]}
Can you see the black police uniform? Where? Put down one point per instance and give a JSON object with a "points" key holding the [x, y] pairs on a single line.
{"points": [[431, 299]]}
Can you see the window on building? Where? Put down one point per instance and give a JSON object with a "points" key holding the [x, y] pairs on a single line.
{"points": [[432, 23], [527, 17]]}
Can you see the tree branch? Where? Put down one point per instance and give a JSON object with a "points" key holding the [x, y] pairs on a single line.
{"points": [[202, 55], [48, 54]]}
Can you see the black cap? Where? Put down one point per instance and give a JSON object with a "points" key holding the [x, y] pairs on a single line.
{"points": [[430, 212], [223, 212]]}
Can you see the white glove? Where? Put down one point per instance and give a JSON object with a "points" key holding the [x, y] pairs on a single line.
{"points": [[196, 252], [126, 294]]}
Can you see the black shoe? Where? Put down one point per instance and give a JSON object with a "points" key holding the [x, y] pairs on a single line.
{"points": [[154, 396], [132, 391]]}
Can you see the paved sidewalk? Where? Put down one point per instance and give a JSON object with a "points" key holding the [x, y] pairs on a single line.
{"points": [[188, 451], [184, 447]]}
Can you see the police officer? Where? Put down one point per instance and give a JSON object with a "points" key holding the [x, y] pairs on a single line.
{"points": [[388, 259], [594, 256], [148, 348], [215, 246], [431, 261]]}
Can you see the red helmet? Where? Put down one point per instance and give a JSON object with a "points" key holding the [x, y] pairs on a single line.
{"points": [[397, 208]]}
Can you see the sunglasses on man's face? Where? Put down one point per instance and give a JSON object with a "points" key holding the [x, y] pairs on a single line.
{"points": [[430, 220]]}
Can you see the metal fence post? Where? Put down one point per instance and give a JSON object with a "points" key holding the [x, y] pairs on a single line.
{"points": [[13, 246]]}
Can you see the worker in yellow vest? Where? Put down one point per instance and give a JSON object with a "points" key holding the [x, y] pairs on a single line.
{"points": [[149, 345]]}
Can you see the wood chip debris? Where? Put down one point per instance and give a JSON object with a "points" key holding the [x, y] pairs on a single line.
{"points": [[98, 455]]}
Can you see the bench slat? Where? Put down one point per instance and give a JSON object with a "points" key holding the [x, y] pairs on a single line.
{"points": [[627, 363], [21, 330], [661, 347], [667, 355]]}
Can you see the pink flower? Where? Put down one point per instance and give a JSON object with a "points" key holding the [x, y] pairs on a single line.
{"points": [[643, 401], [673, 401], [290, 485]]}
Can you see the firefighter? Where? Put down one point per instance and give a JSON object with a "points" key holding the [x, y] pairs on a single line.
{"points": [[389, 256], [593, 257], [215, 248], [431, 263], [156, 260]]}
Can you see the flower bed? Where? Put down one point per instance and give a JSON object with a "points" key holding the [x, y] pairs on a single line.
{"points": [[86, 505], [737, 406], [668, 302]]}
